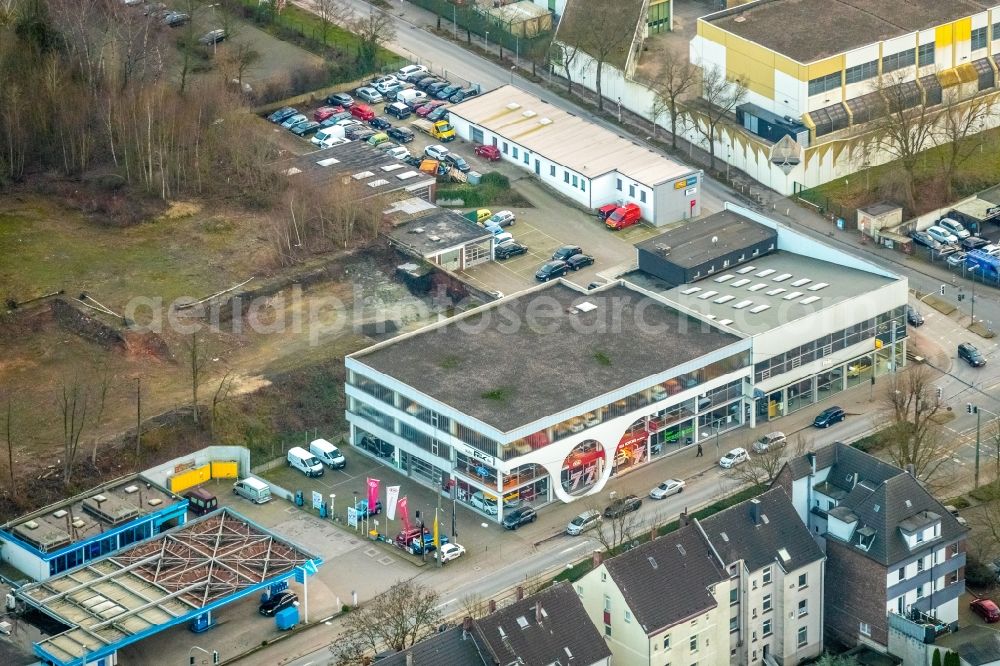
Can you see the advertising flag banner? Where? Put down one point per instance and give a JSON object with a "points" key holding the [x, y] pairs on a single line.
{"points": [[391, 496], [372, 494], [437, 539], [404, 515]]}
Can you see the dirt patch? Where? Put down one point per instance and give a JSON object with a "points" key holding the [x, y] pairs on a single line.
{"points": [[72, 319], [177, 210]]}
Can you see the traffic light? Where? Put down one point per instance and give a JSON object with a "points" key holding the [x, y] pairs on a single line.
{"points": [[215, 657], [971, 409], [942, 290], [940, 392]]}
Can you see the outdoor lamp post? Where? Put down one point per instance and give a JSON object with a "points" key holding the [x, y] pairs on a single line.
{"points": [[487, 38], [512, 74]]}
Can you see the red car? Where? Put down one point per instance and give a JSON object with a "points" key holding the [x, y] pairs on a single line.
{"points": [[429, 106], [604, 212], [324, 112], [625, 216], [362, 112], [986, 609], [491, 153]]}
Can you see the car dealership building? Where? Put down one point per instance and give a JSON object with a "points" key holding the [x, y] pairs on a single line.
{"points": [[731, 321]]}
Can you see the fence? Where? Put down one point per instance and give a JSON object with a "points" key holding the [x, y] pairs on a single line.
{"points": [[475, 21]]}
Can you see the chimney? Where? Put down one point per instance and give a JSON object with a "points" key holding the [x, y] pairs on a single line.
{"points": [[597, 558], [755, 511], [811, 457], [493, 606], [409, 659], [911, 470], [682, 520], [466, 627], [520, 592], [652, 533], [538, 612]]}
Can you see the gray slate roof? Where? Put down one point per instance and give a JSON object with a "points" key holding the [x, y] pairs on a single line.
{"points": [[666, 581], [565, 634], [450, 648], [846, 460], [758, 545]]}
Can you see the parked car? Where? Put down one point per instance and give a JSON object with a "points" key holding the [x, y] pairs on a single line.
{"points": [[294, 119], [451, 551], [387, 80], [398, 110], [956, 260], [924, 238], [277, 602], [434, 88], [502, 218], [829, 417], [388, 87], [491, 153], [363, 511], [986, 609], [623, 217], [514, 519], [578, 261], [953, 510], [604, 212], [358, 133], [427, 107], [968, 353], [954, 227], [337, 119], [282, 114], [378, 139], [772, 440], [733, 458], [440, 113], [667, 488], [380, 123], [408, 71], [447, 91], [305, 129], [463, 94], [587, 520], [436, 151], [425, 82], [551, 269], [369, 95], [942, 235], [377, 446], [200, 501], [340, 99], [566, 251], [508, 250], [973, 243], [914, 318], [400, 134], [324, 112], [622, 505], [212, 37], [362, 112], [458, 162], [176, 19], [399, 152]]}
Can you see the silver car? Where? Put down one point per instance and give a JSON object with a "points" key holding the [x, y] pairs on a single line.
{"points": [[370, 95], [587, 520]]}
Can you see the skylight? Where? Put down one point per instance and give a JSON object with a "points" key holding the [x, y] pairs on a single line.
{"points": [[809, 299], [765, 272], [707, 295], [759, 308], [775, 292], [725, 322], [818, 286], [723, 278], [361, 175], [745, 270], [782, 277], [742, 304], [757, 287], [801, 282], [783, 554], [691, 290], [329, 161], [740, 282], [792, 295], [724, 299]]}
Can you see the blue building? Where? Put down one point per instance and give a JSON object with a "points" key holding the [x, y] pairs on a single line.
{"points": [[77, 530]]}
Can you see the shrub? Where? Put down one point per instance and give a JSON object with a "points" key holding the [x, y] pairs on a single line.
{"points": [[496, 179], [959, 502], [978, 574], [986, 493]]}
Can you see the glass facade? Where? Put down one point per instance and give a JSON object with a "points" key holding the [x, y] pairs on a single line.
{"points": [[92, 550]]}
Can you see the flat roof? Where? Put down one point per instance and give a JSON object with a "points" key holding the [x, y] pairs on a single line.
{"points": [[810, 30], [537, 353], [794, 286], [91, 513], [371, 169], [436, 230], [521, 117], [118, 599], [697, 241]]}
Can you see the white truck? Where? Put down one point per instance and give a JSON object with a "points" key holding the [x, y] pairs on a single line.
{"points": [[329, 136], [410, 95]]}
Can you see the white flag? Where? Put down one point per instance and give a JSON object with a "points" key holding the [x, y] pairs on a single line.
{"points": [[391, 496]]}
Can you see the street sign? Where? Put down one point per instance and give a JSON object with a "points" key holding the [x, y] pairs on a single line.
{"points": [[352, 516], [317, 499]]}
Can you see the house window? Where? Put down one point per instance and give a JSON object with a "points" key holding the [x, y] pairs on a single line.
{"points": [[734, 623], [920, 536], [899, 60], [954, 549], [803, 580], [766, 605], [514, 152], [734, 596], [574, 181], [803, 608], [803, 636], [631, 191], [642, 196], [902, 573], [607, 630], [504, 147], [861, 72], [979, 38], [766, 628], [628, 617], [618, 184], [996, 31], [607, 602], [604, 576], [666, 642], [579, 590], [552, 170], [824, 83], [920, 591], [526, 155], [920, 564], [565, 176], [865, 629], [766, 578], [693, 644], [583, 185], [925, 53]]}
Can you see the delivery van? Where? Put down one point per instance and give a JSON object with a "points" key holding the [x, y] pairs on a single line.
{"points": [[300, 459], [200, 501], [328, 454], [253, 489]]}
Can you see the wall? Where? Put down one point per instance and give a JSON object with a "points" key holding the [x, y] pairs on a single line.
{"points": [[858, 596], [238, 454], [628, 642]]}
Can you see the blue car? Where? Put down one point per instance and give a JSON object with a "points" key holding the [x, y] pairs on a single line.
{"points": [[293, 120], [282, 114], [829, 416]]}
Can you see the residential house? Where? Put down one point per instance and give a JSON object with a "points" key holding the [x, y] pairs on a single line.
{"points": [[890, 546]]}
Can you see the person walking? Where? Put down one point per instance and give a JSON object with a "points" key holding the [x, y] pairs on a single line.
{"points": [[700, 452]]}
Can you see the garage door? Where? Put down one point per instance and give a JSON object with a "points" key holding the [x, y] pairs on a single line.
{"points": [[477, 135], [477, 253]]}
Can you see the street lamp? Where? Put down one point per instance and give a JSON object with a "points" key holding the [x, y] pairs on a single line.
{"points": [[619, 109], [487, 38], [512, 74], [975, 409]]}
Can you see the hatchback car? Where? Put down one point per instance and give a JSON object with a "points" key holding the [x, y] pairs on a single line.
{"points": [[448, 91], [212, 37], [986, 609], [954, 227], [426, 107], [463, 94], [501, 218], [340, 99], [378, 139], [380, 123], [550, 270], [772, 440], [293, 120], [369, 95], [458, 162], [622, 505], [733, 458], [968, 353], [491, 153], [424, 82], [924, 238], [956, 260], [973, 243], [578, 261], [942, 235], [667, 488], [913, 318], [508, 250], [566, 251], [175, 19], [277, 602], [324, 112], [514, 519], [406, 73], [440, 113], [451, 551], [587, 520], [305, 129], [828, 417], [400, 134], [436, 87], [282, 114], [362, 112], [436, 151]]}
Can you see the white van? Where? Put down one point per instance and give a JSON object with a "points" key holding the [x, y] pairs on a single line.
{"points": [[329, 136], [253, 489], [399, 152], [327, 453], [410, 95], [304, 461]]}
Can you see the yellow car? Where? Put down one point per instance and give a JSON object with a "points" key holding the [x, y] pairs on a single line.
{"points": [[377, 139]]}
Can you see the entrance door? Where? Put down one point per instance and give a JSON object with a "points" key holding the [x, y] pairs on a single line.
{"points": [[538, 168]]}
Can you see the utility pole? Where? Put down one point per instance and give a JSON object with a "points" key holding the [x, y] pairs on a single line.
{"points": [[973, 409], [437, 530], [138, 418]]}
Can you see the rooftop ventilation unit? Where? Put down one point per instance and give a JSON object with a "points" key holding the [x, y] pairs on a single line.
{"points": [[156, 501], [417, 230], [513, 106], [740, 282], [434, 239], [818, 286], [131, 489], [586, 306], [745, 270], [529, 114], [544, 121], [329, 161], [662, 248], [99, 498], [60, 513], [31, 525], [78, 523]]}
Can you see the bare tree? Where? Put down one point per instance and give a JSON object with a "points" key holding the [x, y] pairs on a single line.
{"points": [[375, 29], [327, 11], [911, 407], [397, 618], [760, 469], [676, 79], [539, 53], [590, 33], [221, 393], [722, 97], [903, 127], [9, 427], [618, 526], [240, 59], [74, 403], [196, 365], [959, 120], [565, 55]]}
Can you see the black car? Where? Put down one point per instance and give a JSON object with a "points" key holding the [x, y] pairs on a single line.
{"points": [[508, 250], [622, 506], [566, 251], [400, 134], [176, 19], [973, 243], [377, 446], [422, 84], [913, 318], [578, 261], [436, 87], [971, 355], [363, 511], [380, 123], [282, 114], [340, 99], [358, 132], [519, 517], [457, 162], [277, 602], [447, 92], [463, 94], [923, 238], [829, 416], [212, 37], [551, 269], [305, 129]]}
